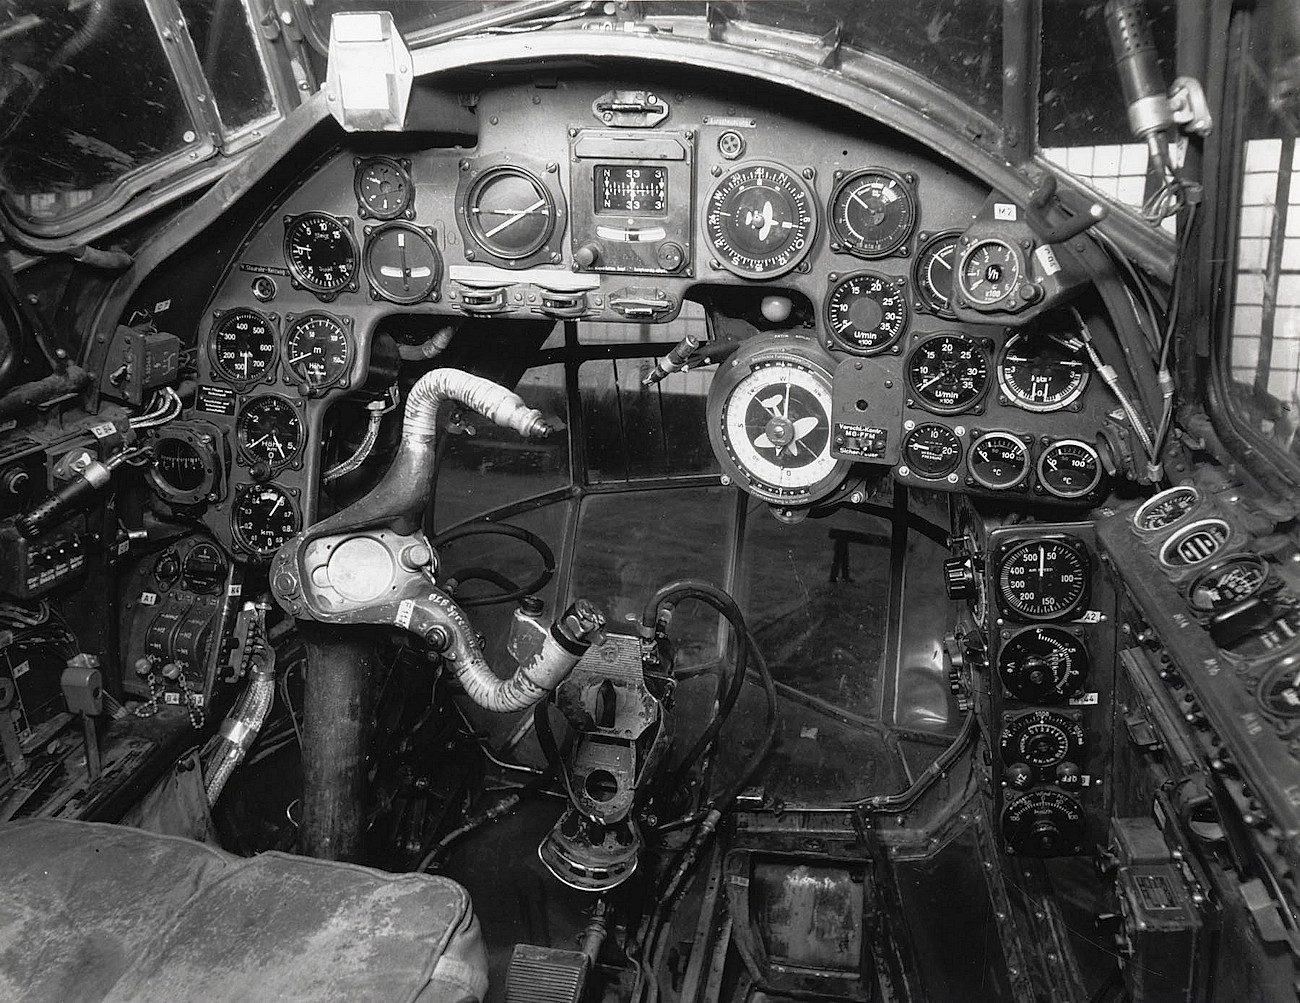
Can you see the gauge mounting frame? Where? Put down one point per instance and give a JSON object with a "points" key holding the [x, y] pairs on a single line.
{"points": [[402, 165], [207, 444], [476, 175], [293, 460], [218, 369], [804, 198], [844, 241], [323, 291], [427, 236], [342, 378]]}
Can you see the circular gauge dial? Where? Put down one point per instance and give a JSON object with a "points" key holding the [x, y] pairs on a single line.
{"points": [[509, 212], [383, 188], [264, 518], [1195, 544], [1257, 629], [998, 461], [1229, 582], [760, 221], [866, 314], [1069, 468], [242, 346], [1043, 823], [269, 430], [989, 272], [1042, 579], [948, 373], [1279, 690], [1043, 665], [1043, 373], [321, 253], [401, 263], [178, 463], [317, 350], [204, 569], [1042, 739], [932, 450], [932, 273], [872, 213], [1163, 510]]}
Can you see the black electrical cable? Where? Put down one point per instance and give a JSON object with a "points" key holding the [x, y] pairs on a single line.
{"points": [[489, 575], [516, 533]]}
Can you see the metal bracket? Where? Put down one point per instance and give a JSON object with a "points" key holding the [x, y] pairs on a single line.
{"points": [[368, 80]]}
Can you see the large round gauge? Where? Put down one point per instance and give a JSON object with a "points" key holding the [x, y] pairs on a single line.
{"points": [[1229, 582], [264, 518], [1279, 689], [1042, 373], [988, 272], [1042, 579], [1042, 739], [509, 212], [1043, 665], [317, 350], [1195, 544], [948, 373], [383, 189], [1043, 823], [998, 461], [269, 430], [1069, 468], [401, 263], [932, 273], [932, 451], [872, 213], [866, 313], [769, 421], [204, 569], [760, 220], [1167, 509], [321, 252], [241, 346]]}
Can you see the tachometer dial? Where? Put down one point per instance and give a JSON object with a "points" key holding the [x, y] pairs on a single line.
{"points": [[1229, 582], [321, 252], [317, 350], [948, 373], [1042, 579], [1044, 372], [988, 272], [760, 220], [241, 346], [264, 517], [998, 461], [1166, 509], [1043, 665], [383, 188], [932, 451], [509, 212], [269, 430], [872, 213], [1195, 544], [401, 263], [1069, 468], [866, 313], [932, 273]]}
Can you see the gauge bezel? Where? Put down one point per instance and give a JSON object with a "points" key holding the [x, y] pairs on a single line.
{"points": [[323, 291], [843, 242], [798, 253], [205, 446], [1016, 399], [241, 494], [927, 297], [1198, 501], [185, 579], [249, 459], [1288, 665], [1075, 495], [959, 276], [987, 485], [1259, 562], [918, 397], [343, 378], [1056, 694], [1015, 608], [905, 459], [364, 209], [895, 287], [475, 175], [1016, 723], [1184, 533], [267, 375], [425, 235]]}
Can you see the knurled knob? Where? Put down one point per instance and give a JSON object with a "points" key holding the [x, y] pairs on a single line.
{"points": [[959, 577]]}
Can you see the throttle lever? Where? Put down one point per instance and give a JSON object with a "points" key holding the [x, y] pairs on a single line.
{"points": [[1081, 216]]}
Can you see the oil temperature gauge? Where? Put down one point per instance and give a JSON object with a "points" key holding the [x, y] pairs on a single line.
{"points": [[932, 451], [1069, 469], [1043, 665], [998, 461]]}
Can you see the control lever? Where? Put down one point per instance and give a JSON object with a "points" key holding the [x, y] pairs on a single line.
{"points": [[1081, 216], [83, 688]]}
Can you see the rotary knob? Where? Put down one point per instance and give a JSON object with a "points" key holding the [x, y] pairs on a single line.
{"points": [[959, 577]]}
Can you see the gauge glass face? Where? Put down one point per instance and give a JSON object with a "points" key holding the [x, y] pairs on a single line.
{"points": [[317, 350], [1043, 665], [510, 212], [401, 263], [269, 430], [998, 461], [1166, 508], [1195, 544], [383, 188], [932, 273], [776, 426], [866, 314], [872, 213], [1258, 629], [1069, 469], [321, 253], [204, 569], [264, 518], [989, 272], [1042, 739], [760, 221], [1279, 690], [1229, 582], [948, 373], [1042, 579], [242, 346], [1043, 373], [179, 464], [932, 450]]}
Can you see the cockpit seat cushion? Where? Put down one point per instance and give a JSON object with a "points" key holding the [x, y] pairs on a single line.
{"points": [[93, 912]]}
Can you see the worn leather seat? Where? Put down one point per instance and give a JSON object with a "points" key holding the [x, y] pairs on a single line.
{"points": [[92, 912]]}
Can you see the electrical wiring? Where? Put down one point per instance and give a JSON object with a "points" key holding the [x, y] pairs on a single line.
{"points": [[164, 406], [1111, 379], [514, 532]]}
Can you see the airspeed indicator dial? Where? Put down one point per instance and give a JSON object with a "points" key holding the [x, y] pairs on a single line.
{"points": [[760, 221], [1043, 579]]}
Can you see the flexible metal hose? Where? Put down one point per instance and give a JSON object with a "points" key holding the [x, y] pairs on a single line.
{"points": [[240, 728]]}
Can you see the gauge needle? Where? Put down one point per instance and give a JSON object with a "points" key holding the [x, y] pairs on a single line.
{"points": [[1042, 562], [258, 442], [305, 355], [276, 507], [515, 217], [786, 410], [943, 371], [406, 271]]}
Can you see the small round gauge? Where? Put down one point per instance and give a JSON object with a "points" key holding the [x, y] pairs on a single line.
{"points": [[1228, 583], [1041, 739], [1043, 823], [317, 350], [1195, 544], [866, 313], [509, 212], [1043, 665], [321, 252], [988, 272], [948, 373], [264, 518], [1166, 509], [204, 569], [1042, 579], [1069, 468], [760, 220], [932, 450], [167, 569], [932, 273], [241, 346], [179, 465], [269, 430], [383, 188], [872, 213], [401, 263], [998, 461], [1044, 372], [1279, 689]]}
